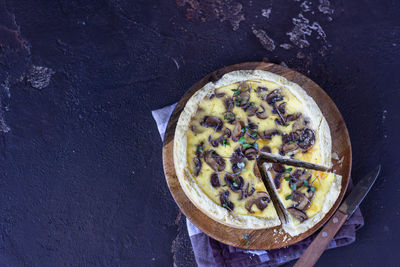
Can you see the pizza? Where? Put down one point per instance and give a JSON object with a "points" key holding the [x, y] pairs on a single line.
{"points": [[224, 130], [304, 196]]}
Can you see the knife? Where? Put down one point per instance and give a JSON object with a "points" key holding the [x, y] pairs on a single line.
{"points": [[321, 242]]}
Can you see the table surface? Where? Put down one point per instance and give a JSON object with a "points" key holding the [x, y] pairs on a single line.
{"points": [[81, 176]]}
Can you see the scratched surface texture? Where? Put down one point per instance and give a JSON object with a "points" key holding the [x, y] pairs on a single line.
{"points": [[81, 179]]}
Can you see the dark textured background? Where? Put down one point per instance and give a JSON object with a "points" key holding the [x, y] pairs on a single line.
{"points": [[81, 179]]}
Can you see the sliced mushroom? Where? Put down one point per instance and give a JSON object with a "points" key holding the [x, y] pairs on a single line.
{"points": [[257, 172], [306, 138], [262, 115], [282, 119], [289, 148], [238, 160], [277, 180], [199, 149], [241, 99], [302, 201], [250, 153], [214, 160], [274, 96], [219, 140], [195, 129], [298, 214], [251, 109], [281, 108], [235, 182], [261, 201], [293, 117], [245, 193], [268, 134], [252, 125], [266, 149], [224, 199], [298, 177], [237, 131], [214, 180], [261, 89], [279, 168], [219, 95], [212, 122], [197, 166], [290, 138]]}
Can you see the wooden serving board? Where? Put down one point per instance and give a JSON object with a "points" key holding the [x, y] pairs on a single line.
{"points": [[271, 238]]}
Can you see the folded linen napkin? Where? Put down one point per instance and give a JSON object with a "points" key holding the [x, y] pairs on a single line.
{"points": [[210, 252]]}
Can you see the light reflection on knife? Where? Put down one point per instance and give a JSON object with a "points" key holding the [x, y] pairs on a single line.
{"points": [[350, 204]]}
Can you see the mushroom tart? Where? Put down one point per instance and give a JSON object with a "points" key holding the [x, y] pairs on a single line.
{"points": [[227, 126], [304, 195]]}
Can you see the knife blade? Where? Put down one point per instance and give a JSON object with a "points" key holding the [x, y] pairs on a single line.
{"points": [[359, 192], [350, 204]]}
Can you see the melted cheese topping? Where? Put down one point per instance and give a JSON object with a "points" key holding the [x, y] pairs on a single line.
{"points": [[215, 106]]}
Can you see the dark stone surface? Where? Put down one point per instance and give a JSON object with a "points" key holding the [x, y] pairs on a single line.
{"points": [[81, 178]]}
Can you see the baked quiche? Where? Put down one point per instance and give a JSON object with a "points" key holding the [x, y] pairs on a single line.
{"points": [[304, 196], [227, 125]]}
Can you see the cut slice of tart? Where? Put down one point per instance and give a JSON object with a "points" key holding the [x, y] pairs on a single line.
{"points": [[304, 196], [223, 129]]}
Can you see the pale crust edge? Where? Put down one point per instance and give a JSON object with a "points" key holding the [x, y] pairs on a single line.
{"points": [[187, 182], [330, 200]]}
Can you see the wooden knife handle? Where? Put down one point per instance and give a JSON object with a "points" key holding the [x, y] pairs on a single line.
{"points": [[321, 242]]}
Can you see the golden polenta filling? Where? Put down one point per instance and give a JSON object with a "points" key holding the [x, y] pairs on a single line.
{"points": [[231, 128], [302, 192]]}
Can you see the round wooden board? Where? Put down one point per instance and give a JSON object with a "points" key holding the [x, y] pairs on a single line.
{"points": [[272, 238]]}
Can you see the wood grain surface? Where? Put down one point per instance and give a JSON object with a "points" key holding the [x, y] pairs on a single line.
{"points": [[271, 238]]}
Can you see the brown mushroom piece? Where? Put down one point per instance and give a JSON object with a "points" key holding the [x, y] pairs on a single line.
{"points": [[212, 122], [250, 153], [268, 134], [262, 115], [293, 117], [274, 96], [237, 131], [257, 172], [299, 176], [252, 125], [214, 160], [219, 140], [289, 148], [197, 166], [298, 214], [265, 149], [214, 180], [219, 95], [245, 192], [277, 180], [302, 201], [251, 109], [235, 182], [281, 108], [306, 138], [237, 160], [224, 199], [279, 168], [261, 201]]}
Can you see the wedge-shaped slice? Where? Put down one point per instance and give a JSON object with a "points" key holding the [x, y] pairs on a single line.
{"points": [[305, 196]]}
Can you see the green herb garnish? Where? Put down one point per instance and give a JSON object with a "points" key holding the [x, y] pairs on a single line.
{"points": [[312, 188], [293, 186], [254, 134], [246, 236], [255, 145], [236, 91], [225, 117], [242, 140], [232, 115], [288, 197], [240, 165], [288, 170], [291, 142], [246, 145], [248, 242], [235, 184], [255, 90], [305, 182], [287, 178]]}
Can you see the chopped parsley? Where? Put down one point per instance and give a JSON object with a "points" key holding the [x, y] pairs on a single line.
{"points": [[288, 197], [225, 142], [232, 115], [312, 188], [305, 182], [287, 178], [242, 140], [291, 142], [236, 91], [248, 242], [246, 236], [252, 104], [224, 205], [255, 145], [255, 90], [247, 145], [245, 128], [235, 184], [293, 186], [225, 117], [254, 134], [224, 185], [288, 170]]}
